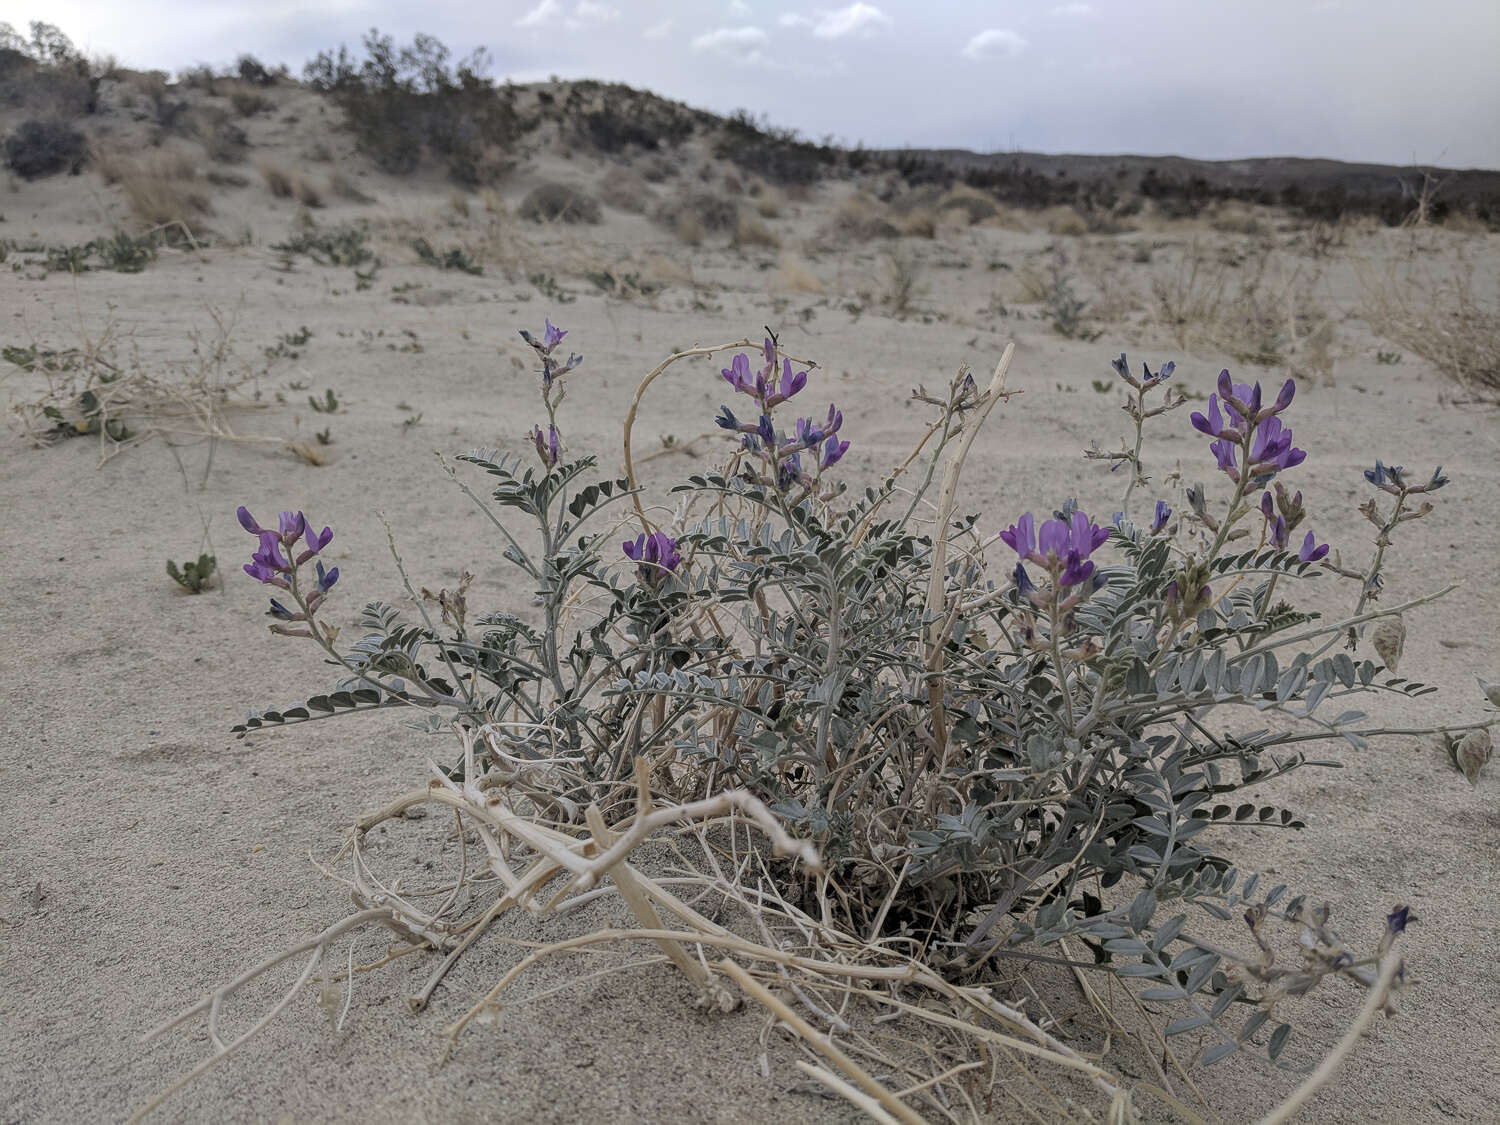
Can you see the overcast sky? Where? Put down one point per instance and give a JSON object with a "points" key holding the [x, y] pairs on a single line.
{"points": [[1380, 80]]}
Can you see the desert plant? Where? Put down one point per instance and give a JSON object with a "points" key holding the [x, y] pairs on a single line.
{"points": [[44, 148], [278, 180], [559, 203], [402, 102], [625, 190], [453, 258], [962, 768], [1441, 317], [328, 404], [752, 232], [339, 246], [161, 191], [195, 575]]}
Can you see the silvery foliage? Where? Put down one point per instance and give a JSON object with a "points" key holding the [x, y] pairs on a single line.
{"points": [[1077, 790]]}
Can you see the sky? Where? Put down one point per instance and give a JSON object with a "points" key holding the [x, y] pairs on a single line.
{"points": [[1384, 81]]}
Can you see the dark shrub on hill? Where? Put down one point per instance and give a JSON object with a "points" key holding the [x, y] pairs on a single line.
{"points": [[42, 148], [407, 101], [561, 204], [251, 70], [777, 155]]}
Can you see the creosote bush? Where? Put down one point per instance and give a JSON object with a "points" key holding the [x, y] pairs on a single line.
{"points": [[971, 756]]}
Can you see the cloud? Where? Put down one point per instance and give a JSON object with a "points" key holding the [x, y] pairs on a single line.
{"points": [[855, 19], [657, 31], [993, 41], [729, 38], [591, 12], [543, 13], [1076, 11], [739, 8]]}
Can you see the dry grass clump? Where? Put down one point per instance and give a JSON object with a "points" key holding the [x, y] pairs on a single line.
{"points": [[1443, 319], [921, 223], [247, 100], [658, 169], [795, 275], [162, 190], [285, 185], [752, 232], [1255, 310], [1064, 221], [862, 218], [690, 229], [560, 203], [278, 180], [769, 202], [221, 138], [625, 190], [713, 212], [342, 187], [975, 206]]}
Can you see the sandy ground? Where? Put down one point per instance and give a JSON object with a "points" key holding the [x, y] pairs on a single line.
{"points": [[149, 854]]}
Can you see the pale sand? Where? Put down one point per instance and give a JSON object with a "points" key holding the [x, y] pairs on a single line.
{"points": [[152, 855]]}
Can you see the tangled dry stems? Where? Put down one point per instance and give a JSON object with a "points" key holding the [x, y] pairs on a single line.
{"points": [[1443, 319]]}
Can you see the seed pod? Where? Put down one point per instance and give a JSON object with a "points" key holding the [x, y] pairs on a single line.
{"points": [[1389, 638], [1472, 753]]}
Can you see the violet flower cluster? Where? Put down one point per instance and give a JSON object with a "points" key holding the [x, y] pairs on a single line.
{"points": [[1392, 479], [548, 442], [768, 389], [655, 556], [551, 369], [1061, 547], [276, 563], [1244, 426]]}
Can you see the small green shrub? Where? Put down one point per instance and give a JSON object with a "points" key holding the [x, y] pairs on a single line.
{"points": [[195, 576], [342, 246], [453, 258]]}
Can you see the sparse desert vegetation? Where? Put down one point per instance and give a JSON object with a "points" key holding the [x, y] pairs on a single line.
{"points": [[929, 808]]}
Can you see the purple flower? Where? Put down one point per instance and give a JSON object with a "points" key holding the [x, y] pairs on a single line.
{"points": [[738, 376], [655, 555], [280, 612], [1223, 451], [790, 383], [766, 430], [326, 578], [316, 541], [549, 341], [1272, 450], [790, 472], [1311, 552], [1148, 380], [1396, 921], [267, 564], [1159, 521], [833, 452], [1061, 547], [808, 433], [547, 445], [247, 521], [1076, 571], [726, 419]]}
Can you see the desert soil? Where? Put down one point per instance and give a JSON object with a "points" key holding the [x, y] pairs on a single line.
{"points": [[149, 854]]}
